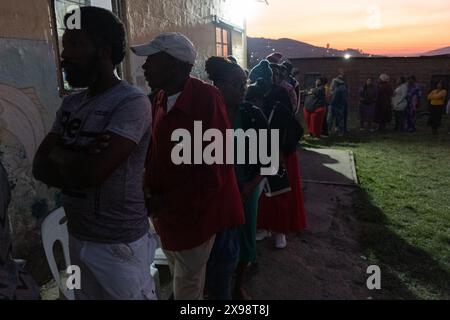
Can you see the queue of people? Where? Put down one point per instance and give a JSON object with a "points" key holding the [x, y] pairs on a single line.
{"points": [[379, 104], [110, 152], [401, 103]]}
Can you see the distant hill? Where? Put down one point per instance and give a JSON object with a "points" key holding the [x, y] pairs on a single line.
{"points": [[260, 48], [437, 52]]}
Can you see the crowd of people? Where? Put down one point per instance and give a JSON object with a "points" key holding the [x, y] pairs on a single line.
{"points": [[110, 153], [380, 103]]}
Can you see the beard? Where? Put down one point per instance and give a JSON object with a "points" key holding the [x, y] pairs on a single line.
{"points": [[80, 76]]}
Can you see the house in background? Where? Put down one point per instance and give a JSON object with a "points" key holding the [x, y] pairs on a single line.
{"points": [[32, 84]]}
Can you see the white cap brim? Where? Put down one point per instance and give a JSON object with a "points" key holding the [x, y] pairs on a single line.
{"points": [[144, 50]]}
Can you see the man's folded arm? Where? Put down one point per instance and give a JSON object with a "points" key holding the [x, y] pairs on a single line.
{"points": [[43, 168], [81, 170]]}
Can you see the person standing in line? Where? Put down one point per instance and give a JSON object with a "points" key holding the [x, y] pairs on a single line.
{"points": [[283, 213], [234, 249], [383, 111], [437, 99], [315, 109], [327, 88], [189, 203], [291, 78], [448, 114], [103, 197], [368, 98], [399, 103], [289, 88], [338, 105], [414, 95]]}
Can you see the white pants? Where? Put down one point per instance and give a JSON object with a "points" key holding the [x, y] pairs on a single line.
{"points": [[114, 271]]}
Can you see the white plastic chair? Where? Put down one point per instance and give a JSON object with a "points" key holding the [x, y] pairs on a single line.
{"points": [[54, 228], [160, 258]]}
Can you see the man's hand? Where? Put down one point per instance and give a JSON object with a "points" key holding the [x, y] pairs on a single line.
{"points": [[100, 143]]}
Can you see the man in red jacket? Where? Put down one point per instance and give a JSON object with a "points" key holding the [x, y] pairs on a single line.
{"points": [[189, 203]]}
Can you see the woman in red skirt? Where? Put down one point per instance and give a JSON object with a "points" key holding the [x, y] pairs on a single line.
{"points": [[315, 109], [284, 213]]}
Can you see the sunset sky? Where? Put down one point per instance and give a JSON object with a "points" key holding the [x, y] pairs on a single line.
{"points": [[388, 27]]}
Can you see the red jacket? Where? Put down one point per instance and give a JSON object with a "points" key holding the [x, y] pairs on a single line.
{"points": [[199, 200]]}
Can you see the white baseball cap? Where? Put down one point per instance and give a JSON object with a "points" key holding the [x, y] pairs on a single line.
{"points": [[173, 43]]}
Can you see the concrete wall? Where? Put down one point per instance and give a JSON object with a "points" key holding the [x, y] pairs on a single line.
{"points": [[146, 19], [357, 70], [30, 95], [29, 98]]}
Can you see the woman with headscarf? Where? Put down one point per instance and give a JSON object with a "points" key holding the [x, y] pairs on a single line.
{"points": [[383, 110], [283, 213]]}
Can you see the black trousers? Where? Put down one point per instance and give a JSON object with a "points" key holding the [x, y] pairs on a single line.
{"points": [[436, 116], [399, 120]]}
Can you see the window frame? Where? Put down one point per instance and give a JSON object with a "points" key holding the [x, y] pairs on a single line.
{"points": [[221, 29]]}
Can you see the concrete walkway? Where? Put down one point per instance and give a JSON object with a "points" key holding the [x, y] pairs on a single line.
{"points": [[324, 261]]}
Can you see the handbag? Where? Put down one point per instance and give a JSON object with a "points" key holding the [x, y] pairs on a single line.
{"points": [[277, 184]]}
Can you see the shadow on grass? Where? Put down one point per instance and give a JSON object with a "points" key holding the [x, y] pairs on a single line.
{"points": [[403, 266], [408, 272]]}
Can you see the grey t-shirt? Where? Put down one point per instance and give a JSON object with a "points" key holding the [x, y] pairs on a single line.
{"points": [[114, 212]]}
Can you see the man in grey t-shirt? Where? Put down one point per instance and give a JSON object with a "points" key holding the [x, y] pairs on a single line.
{"points": [[102, 192]]}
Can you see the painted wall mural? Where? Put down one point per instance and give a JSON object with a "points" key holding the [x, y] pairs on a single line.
{"points": [[29, 99], [21, 131]]}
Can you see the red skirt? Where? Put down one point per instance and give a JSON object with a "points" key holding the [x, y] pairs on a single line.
{"points": [[285, 213]]}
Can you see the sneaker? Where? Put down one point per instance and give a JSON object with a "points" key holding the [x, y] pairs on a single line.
{"points": [[280, 241], [262, 234]]}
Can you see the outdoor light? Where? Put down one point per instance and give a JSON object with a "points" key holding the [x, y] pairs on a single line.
{"points": [[347, 56], [239, 11]]}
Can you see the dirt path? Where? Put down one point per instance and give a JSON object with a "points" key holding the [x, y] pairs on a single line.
{"points": [[324, 261]]}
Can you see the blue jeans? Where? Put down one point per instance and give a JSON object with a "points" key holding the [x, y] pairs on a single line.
{"points": [[222, 265], [337, 114]]}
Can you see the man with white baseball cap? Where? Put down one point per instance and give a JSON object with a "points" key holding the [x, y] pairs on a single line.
{"points": [[173, 43], [189, 204]]}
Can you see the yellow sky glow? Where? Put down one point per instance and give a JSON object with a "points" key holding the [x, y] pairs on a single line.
{"points": [[388, 27]]}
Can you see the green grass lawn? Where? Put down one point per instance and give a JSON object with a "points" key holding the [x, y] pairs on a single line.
{"points": [[403, 207]]}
